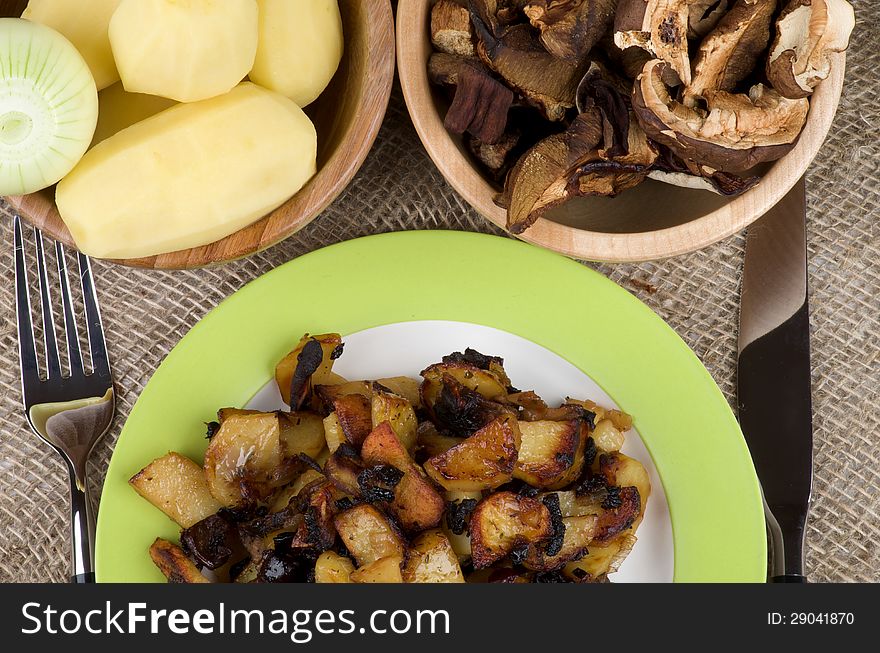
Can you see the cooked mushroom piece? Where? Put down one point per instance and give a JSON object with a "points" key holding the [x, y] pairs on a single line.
{"points": [[729, 53], [703, 16], [659, 27], [514, 53], [570, 28], [807, 32], [451, 29], [733, 134]]}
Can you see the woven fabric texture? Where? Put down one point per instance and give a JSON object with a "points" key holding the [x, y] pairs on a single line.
{"points": [[147, 312]]}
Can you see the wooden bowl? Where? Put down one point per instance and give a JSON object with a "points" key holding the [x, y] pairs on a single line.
{"points": [[347, 117], [652, 221]]}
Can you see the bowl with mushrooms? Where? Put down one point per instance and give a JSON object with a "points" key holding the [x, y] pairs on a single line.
{"points": [[622, 130]]}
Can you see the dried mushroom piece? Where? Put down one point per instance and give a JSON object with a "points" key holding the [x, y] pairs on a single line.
{"points": [[734, 133], [669, 169], [610, 95], [658, 26], [807, 32], [703, 16], [495, 157], [480, 106], [451, 30], [729, 53], [570, 28], [513, 52]]}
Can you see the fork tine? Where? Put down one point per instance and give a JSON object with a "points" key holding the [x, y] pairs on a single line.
{"points": [[73, 351], [53, 363], [100, 360], [30, 373]]}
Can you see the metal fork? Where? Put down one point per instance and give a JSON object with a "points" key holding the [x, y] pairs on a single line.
{"points": [[69, 412]]}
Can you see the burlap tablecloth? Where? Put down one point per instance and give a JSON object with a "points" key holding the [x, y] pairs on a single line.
{"points": [[146, 313]]}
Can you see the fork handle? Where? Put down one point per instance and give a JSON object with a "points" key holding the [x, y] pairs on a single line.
{"points": [[82, 531]]}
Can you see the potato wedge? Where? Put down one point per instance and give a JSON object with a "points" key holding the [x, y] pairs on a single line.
{"points": [[176, 486], [368, 534], [429, 440], [242, 460], [503, 521], [601, 560], [355, 417], [405, 387], [383, 570], [432, 560], [484, 461], [417, 505], [551, 454], [326, 394], [284, 371], [619, 469], [301, 433], [331, 567], [173, 563], [398, 412], [485, 382], [579, 532]]}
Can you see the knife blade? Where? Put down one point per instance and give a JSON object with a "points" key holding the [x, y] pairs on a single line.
{"points": [[773, 377]]}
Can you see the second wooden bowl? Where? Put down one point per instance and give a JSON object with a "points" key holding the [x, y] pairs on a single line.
{"points": [[652, 221], [347, 116]]}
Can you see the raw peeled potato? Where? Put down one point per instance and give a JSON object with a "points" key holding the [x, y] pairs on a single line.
{"points": [[85, 27], [48, 106], [118, 109], [189, 176], [186, 50], [300, 47]]}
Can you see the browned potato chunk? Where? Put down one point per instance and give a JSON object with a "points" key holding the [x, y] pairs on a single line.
{"points": [[483, 461], [328, 394], [176, 486], [302, 432], [551, 453], [579, 532], [355, 417], [287, 366], [622, 421], [333, 568], [368, 534], [601, 560], [405, 387], [333, 432], [484, 382], [342, 468], [173, 563], [429, 440], [620, 469], [432, 560], [243, 457], [398, 412], [225, 413], [383, 570], [416, 504], [503, 521]]}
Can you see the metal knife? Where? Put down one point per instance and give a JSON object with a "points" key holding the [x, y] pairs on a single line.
{"points": [[773, 384]]}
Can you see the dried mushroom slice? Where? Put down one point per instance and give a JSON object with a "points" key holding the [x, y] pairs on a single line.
{"points": [[669, 169], [451, 30], [807, 32], [703, 16], [570, 28], [480, 106], [729, 53], [734, 133], [545, 81], [658, 26]]}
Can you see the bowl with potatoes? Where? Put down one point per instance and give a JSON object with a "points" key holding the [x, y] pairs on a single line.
{"points": [[169, 134]]}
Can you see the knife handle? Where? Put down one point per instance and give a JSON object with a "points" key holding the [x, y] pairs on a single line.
{"points": [[788, 578]]}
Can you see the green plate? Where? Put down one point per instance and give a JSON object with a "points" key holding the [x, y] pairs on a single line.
{"points": [[693, 438]]}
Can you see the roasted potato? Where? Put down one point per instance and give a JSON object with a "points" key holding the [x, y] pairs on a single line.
{"points": [[172, 561], [355, 418], [457, 408], [331, 349], [333, 432], [551, 454], [503, 521], [579, 533], [405, 387], [302, 433], [368, 534], [485, 382], [383, 570], [432, 560], [331, 567], [417, 505], [601, 560], [431, 442], [398, 412], [484, 461], [176, 486], [343, 467], [327, 394]]}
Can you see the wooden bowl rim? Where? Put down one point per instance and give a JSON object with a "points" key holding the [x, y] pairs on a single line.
{"points": [[297, 212], [732, 217]]}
